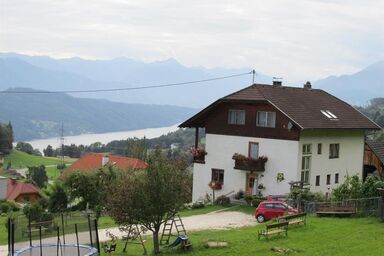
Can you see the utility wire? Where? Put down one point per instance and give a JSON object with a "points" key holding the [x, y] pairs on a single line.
{"points": [[132, 88]]}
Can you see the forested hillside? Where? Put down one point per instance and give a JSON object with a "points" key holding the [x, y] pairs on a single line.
{"points": [[375, 111], [36, 115]]}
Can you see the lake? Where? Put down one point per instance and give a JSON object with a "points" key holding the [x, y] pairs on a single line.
{"points": [[87, 139]]}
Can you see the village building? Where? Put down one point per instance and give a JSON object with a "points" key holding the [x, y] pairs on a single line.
{"points": [[95, 161], [264, 138], [18, 191]]}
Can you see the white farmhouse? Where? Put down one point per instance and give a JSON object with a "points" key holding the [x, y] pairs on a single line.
{"points": [[262, 138]]}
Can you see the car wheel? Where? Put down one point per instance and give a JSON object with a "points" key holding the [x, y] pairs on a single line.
{"points": [[260, 218]]}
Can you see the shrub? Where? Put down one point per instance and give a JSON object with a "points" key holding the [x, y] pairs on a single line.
{"points": [[222, 200], [248, 199], [60, 166], [5, 207], [305, 194], [256, 201], [197, 205], [239, 194]]}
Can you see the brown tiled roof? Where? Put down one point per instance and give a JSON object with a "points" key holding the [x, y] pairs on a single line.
{"points": [[378, 148], [16, 188], [303, 106], [93, 161]]}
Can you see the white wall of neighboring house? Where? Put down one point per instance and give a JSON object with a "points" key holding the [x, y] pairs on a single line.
{"points": [[282, 157], [3, 188], [350, 161]]}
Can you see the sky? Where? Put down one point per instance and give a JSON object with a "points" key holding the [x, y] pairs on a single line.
{"points": [[294, 39]]}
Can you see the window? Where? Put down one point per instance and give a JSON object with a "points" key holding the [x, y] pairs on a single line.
{"points": [[329, 114], [334, 150], [318, 180], [336, 178], [253, 150], [266, 119], [307, 149], [270, 206], [319, 148], [305, 168], [236, 117], [280, 206], [218, 176], [328, 179]]}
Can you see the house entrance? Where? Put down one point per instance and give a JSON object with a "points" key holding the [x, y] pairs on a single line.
{"points": [[251, 184]]}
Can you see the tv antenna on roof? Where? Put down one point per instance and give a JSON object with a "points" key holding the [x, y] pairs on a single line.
{"points": [[253, 76]]}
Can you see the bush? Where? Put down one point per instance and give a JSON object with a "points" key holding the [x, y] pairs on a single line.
{"points": [[60, 166], [256, 201], [222, 200], [197, 205], [305, 194], [239, 194], [248, 199], [5, 207]]}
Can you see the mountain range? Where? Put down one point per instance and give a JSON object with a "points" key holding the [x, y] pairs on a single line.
{"points": [[41, 115]]}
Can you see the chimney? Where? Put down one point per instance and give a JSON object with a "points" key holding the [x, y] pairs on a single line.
{"points": [[105, 160], [307, 85], [277, 81]]}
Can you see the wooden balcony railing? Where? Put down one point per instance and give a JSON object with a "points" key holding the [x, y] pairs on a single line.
{"points": [[249, 164]]}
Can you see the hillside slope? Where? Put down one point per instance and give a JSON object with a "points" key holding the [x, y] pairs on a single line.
{"points": [[41, 115]]}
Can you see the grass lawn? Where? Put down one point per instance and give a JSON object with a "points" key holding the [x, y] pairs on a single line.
{"points": [[23, 160], [52, 172], [3, 230], [321, 236]]}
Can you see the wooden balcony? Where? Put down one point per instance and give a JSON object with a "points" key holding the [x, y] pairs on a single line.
{"points": [[249, 164], [199, 159]]}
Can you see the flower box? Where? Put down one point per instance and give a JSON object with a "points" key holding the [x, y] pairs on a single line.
{"points": [[198, 155], [249, 164], [215, 185]]}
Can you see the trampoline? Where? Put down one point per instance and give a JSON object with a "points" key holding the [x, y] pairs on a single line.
{"points": [[57, 250]]}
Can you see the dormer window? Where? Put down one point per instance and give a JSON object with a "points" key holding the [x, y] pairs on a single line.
{"points": [[266, 119], [236, 116], [329, 114]]}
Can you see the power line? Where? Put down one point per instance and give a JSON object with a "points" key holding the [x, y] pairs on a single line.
{"points": [[132, 88]]}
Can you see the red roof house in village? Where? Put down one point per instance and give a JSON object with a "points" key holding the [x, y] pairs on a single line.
{"points": [[94, 161], [22, 192]]}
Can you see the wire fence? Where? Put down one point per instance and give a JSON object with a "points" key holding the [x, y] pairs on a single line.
{"points": [[74, 228], [360, 207]]}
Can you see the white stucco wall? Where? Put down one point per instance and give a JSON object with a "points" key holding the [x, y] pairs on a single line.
{"points": [[282, 157], [350, 159], [3, 188]]}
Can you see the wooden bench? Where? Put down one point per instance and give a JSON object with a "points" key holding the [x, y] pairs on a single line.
{"points": [[294, 219], [340, 211], [273, 229]]}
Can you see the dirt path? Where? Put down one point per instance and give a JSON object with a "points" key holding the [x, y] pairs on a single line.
{"points": [[213, 220]]}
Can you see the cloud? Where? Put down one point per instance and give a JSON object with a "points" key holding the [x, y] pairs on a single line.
{"points": [[295, 39]]}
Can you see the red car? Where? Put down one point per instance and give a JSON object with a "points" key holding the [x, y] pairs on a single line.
{"points": [[271, 209]]}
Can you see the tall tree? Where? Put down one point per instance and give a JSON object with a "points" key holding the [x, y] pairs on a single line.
{"points": [[48, 151], [149, 197], [58, 199], [6, 138], [37, 175]]}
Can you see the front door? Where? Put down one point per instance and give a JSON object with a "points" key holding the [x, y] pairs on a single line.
{"points": [[251, 184]]}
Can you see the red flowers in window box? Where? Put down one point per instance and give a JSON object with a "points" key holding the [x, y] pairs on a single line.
{"points": [[198, 155], [215, 185]]}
